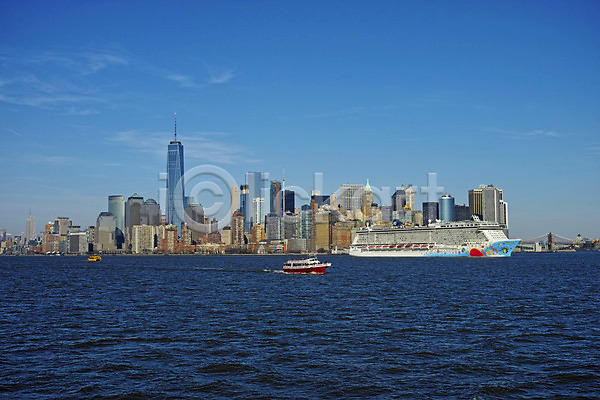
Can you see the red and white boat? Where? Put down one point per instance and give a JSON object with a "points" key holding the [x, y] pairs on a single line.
{"points": [[308, 265]]}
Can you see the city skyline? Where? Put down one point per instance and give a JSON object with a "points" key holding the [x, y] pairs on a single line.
{"points": [[386, 92]]}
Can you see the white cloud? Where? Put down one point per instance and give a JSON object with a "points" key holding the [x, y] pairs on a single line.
{"points": [[183, 80], [511, 133], [221, 76], [541, 132], [98, 61]]}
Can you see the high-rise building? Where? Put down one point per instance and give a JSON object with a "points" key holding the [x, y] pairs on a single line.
{"points": [[273, 227], [320, 199], [399, 199], [133, 210], [142, 239], [150, 213], [487, 203], [61, 226], [410, 197], [430, 212], [77, 242], [194, 219], [237, 229], [322, 237], [491, 197], [235, 199], [105, 232], [116, 206], [461, 212], [256, 189], [257, 234], [30, 229], [291, 227], [175, 185], [275, 203], [504, 215], [367, 201], [306, 217], [258, 209], [245, 206], [476, 202], [447, 208], [351, 197], [289, 197]]}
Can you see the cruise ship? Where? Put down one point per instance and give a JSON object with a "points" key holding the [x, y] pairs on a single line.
{"points": [[440, 239]]}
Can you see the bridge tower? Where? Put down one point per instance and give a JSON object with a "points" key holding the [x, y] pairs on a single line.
{"points": [[550, 242]]}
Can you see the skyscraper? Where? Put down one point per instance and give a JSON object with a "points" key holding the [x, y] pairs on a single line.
{"points": [[235, 199], [116, 206], [289, 196], [410, 197], [367, 201], [306, 215], [399, 199], [430, 212], [258, 204], [237, 229], [447, 208], [105, 231], [194, 219], [487, 203], [491, 197], [273, 226], [175, 194], [30, 228], [351, 197], [150, 213], [245, 206], [256, 189], [133, 210], [275, 203]]}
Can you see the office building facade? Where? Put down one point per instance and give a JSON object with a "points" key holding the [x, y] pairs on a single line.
{"points": [[351, 197], [430, 212], [275, 203]]}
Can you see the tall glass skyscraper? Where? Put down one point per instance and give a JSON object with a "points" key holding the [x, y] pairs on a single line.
{"points": [[245, 206], [175, 198], [116, 206], [256, 189]]}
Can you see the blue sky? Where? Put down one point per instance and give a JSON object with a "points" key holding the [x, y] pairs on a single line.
{"points": [[480, 92]]}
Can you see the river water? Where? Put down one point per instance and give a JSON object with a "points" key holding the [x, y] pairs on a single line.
{"points": [[226, 327]]}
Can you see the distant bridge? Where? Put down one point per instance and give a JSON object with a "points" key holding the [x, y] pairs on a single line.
{"points": [[548, 242]]}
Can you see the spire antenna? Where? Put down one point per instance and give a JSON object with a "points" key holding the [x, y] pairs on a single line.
{"points": [[175, 126]]}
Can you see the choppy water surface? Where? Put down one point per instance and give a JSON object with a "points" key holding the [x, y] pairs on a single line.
{"points": [[233, 327]]}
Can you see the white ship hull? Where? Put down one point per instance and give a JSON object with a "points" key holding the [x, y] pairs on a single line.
{"points": [[458, 239]]}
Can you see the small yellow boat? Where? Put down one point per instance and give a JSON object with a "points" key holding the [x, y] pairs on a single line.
{"points": [[95, 258]]}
